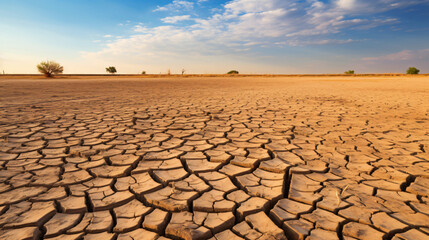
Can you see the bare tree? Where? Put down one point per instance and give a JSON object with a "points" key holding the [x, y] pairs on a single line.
{"points": [[183, 71]]}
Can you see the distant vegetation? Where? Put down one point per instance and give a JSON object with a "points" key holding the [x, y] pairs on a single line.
{"points": [[183, 71], [233, 72], [49, 68], [111, 70], [143, 72], [350, 72], [413, 70]]}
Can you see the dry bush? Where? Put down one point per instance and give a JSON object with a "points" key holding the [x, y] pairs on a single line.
{"points": [[233, 72], [50, 68], [111, 70], [413, 70]]}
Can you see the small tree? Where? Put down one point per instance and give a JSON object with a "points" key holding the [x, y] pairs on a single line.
{"points": [[350, 72], [111, 70], [233, 72], [143, 72], [183, 71], [49, 68], [413, 70]]}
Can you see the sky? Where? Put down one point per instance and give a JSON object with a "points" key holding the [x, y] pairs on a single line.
{"points": [[215, 36]]}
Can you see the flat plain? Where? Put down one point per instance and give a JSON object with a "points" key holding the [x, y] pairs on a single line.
{"points": [[215, 158]]}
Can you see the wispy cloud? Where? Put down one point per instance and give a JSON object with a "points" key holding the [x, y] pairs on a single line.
{"points": [[176, 19], [176, 6], [316, 42], [405, 55]]}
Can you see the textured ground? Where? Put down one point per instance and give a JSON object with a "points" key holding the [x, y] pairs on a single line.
{"points": [[221, 158]]}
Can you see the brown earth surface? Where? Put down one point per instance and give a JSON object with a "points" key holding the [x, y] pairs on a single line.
{"points": [[215, 158]]}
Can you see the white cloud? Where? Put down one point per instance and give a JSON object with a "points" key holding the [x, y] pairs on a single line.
{"points": [[242, 21], [249, 6], [346, 4], [241, 25], [176, 19], [176, 5], [108, 36]]}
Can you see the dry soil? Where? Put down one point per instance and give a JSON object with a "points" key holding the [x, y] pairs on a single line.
{"points": [[221, 158]]}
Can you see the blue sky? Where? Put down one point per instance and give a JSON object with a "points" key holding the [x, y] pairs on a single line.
{"points": [[214, 36]]}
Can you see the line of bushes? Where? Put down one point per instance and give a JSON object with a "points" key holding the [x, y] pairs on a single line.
{"points": [[50, 68]]}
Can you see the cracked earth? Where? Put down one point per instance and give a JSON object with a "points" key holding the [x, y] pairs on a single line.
{"points": [[215, 158]]}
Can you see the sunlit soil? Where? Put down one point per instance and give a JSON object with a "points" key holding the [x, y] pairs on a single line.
{"points": [[225, 157]]}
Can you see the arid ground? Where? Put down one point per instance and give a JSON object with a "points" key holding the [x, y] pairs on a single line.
{"points": [[220, 158]]}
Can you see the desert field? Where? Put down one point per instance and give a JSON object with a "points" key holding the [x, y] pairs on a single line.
{"points": [[222, 158]]}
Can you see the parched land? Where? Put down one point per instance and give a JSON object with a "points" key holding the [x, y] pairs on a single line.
{"points": [[215, 158]]}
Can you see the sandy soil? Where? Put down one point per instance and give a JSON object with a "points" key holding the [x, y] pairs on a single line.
{"points": [[233, 158]]}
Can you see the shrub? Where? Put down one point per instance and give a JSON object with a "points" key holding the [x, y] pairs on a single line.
{"points": [[233, 72], [350, 72], [111, 70], [49, 68], [144, 72], [413, 70]]}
